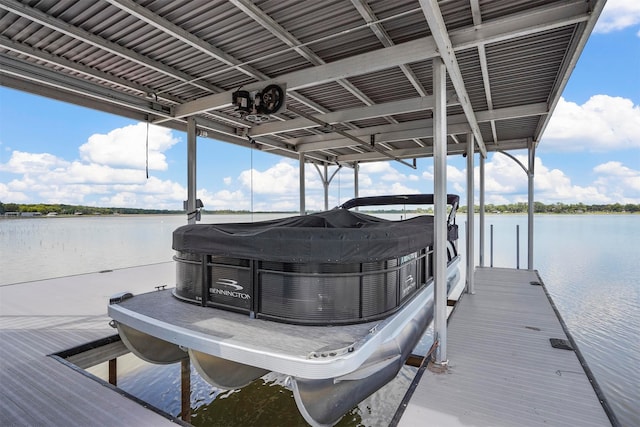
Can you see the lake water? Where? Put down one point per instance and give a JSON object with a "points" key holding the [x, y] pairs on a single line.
{"points": [[589, 263]]}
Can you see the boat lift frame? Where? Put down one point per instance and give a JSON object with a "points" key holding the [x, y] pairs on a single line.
{"points": [[440, 194], [443, 65]]}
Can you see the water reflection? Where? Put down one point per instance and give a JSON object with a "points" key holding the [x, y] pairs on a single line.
{"points": [[265, 402]]}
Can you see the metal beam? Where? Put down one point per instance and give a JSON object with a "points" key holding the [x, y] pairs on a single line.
{"points": [[569, 65], [356, 184], [63, 83], [416, 152], [445, 48], [370, 146], [90, 72], [486, 82], [352, 114], [192, 157], [172, 30], [87, 93], [326, 181], [97, 41], [470, 214], [481, 218], [367, 14], [302, 187], [348, 67], [440, 211], [533, 21], [475, 12], [290, 40], [530, 211], [195, 42], [415, 129], [40, 89], [167, 27]]}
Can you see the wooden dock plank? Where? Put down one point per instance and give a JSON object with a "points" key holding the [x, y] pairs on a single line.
{"points": [[503, 370]]}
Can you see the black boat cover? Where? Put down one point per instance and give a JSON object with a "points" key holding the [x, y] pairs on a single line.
{"points": [[335, 236]]}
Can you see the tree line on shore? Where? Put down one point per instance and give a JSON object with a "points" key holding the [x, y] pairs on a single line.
{"points": [[556, 208], [62, 209], [559, 208]]}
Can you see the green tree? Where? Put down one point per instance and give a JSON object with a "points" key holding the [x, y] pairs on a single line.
{"points": [[11, 207]]}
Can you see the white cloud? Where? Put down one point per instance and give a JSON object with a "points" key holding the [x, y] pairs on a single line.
{"points": [[224, 199], [601, 123], [620, 182], [153, 193], [154, 185], [506, 182], [456, 175], [103, 174], [503, 177], [377, 168], [455, 178], [68, 194], [77, 172], [22, 162], [9, 195], [126, 147], [618, 15], [395, 175], [399, 188], [552, 185], [287, 205], [281, 178]]}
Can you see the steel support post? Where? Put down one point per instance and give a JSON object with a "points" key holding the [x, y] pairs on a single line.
{"points": [[481, 217], [356, 170], [530, 175], [440, 209], [470, 213], [302, 189], [191, 170], [325, 184]]}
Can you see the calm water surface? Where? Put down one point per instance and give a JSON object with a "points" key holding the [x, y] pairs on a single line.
{"points": [[589, 263]]}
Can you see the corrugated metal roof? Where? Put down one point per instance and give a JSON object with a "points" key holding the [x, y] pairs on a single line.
{"points": [[161, 60]]}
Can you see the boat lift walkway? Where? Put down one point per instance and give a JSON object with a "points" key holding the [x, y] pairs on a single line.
{"points": [[503, 368], [48, 316]]}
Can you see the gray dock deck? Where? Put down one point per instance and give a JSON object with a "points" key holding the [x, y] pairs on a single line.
{"points": [[44, 317], [503, 370]]}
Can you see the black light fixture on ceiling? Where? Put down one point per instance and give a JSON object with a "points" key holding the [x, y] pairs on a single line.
{"points": [[242, 101], [257, 106]]}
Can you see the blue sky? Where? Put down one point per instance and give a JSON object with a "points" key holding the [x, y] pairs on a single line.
{"points": [[53, 152]]}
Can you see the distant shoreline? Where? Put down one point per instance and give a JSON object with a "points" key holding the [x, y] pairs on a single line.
{"points": [[53, 210], [129, 215]]}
